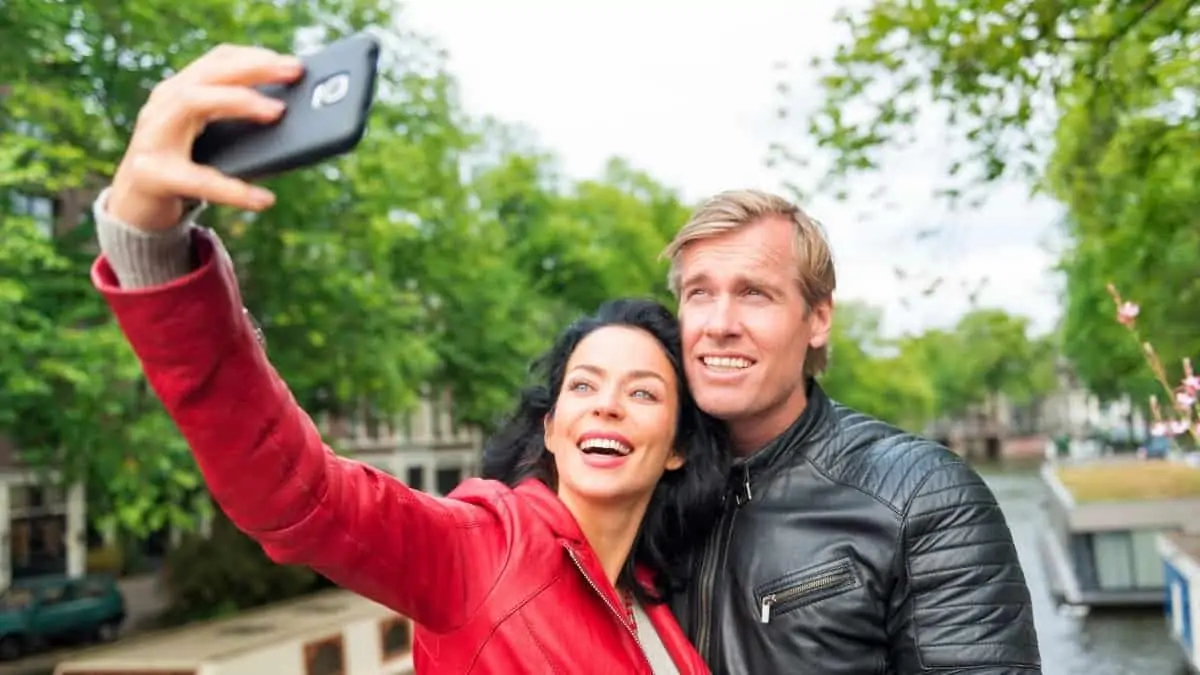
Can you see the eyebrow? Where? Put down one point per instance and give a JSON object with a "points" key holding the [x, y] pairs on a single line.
{"points": [[740, 279], [629, 375], [693, 280]]}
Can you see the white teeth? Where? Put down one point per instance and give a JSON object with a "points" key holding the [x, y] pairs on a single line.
{"points": [[605, 443], [729, 362]]}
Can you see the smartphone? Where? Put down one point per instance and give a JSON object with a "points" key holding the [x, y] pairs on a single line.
{"points": [[326, 116]]}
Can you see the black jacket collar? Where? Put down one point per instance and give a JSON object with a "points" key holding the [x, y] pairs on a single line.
{"points": [[815, 425]]}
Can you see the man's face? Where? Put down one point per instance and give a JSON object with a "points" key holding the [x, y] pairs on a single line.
{"points": [[747, 329]]}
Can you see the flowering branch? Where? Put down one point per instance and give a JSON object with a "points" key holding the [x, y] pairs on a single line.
{"points": [[1183, 397]]}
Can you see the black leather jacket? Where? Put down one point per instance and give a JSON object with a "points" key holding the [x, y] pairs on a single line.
{"points": [[849, 546]]}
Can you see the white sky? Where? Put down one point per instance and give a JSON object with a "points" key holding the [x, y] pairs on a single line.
{"points": [[686, 92]]}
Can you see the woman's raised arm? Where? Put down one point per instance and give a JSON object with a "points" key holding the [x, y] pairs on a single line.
{"points": [[173, 291]]}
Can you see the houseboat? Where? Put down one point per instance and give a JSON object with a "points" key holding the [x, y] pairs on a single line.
{"points": [[1100, 548], [1181, 560], [333, 632]]}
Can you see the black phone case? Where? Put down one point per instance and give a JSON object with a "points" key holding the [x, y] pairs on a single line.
{"points": [[309, 130]]}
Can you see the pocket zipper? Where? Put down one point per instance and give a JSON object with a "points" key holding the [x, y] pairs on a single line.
{"points": [[830, 579]]}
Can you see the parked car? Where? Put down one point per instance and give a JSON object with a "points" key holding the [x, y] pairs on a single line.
{"points": [[51, 609]]}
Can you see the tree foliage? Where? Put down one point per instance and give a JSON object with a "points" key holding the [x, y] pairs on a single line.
{"points": [[1092, 103], [938, 373], [441, 254]]}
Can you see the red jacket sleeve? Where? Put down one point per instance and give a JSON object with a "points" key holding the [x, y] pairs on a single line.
{"points": [[429, 558]]}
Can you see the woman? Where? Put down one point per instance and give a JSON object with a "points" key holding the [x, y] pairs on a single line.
{"points": [[607, 471]]}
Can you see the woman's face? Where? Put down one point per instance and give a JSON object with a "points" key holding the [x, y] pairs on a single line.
{"points": [[612, 431]]}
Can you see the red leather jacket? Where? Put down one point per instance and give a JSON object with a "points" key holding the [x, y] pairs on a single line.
{"points": [[497, 580]]}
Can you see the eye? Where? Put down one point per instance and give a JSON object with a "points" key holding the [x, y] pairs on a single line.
{"points": [[756, 293], [645, 394], [579, 385]]}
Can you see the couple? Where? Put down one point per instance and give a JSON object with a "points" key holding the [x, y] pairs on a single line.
{"points": [[612, 534]]}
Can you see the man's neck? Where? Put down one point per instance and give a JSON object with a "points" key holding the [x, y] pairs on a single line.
{"points": [[751, 434]]}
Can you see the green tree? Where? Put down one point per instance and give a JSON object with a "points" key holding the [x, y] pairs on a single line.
{"points": [[379, 275], [941, 358], [318, 270], [563, 248], [1000, 357], [871, 375], [1092, 103], [995, 68]]}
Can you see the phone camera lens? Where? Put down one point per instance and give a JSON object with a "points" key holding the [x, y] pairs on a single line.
{"points": [[331, 90]]}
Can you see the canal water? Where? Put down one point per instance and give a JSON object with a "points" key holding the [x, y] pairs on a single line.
{"points": [[1098, 643]]}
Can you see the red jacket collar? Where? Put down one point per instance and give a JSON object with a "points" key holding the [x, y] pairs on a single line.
{"points": [[551, 510], [561, 521]]}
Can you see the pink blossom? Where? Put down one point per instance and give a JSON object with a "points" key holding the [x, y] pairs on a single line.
{"points": [[1127, 313], [1190, 382], [1158, 429], [1179, 427], [1185, 398]]}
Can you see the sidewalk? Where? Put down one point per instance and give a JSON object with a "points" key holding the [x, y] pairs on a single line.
{"points": [[144, 601]]}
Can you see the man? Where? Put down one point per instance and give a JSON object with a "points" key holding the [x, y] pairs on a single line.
{"points": [[847, 545]]}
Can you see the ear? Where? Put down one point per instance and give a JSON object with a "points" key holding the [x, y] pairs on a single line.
{"points": [[547, 420], [820, 321], [675, 461]]}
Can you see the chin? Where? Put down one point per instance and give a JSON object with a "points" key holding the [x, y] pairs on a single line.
{"points": [[723, 405]]}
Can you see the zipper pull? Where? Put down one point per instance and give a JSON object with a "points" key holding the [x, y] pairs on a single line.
{"points": [[765, 611], [745, 495]]}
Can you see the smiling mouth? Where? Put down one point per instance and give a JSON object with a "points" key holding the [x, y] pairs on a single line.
{"points": [[726, 363], [605, 446]]}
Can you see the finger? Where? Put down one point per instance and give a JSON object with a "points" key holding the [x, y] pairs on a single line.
{"points": [[183, 178], [204, 104], [242, 66], [175, 117]]}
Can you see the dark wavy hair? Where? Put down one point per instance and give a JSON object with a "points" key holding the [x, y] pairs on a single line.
{"points": [[685, 503]]}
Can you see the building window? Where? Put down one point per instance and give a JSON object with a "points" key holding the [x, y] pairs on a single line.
{"points": [[395, 637], [416, 477], [325, 657], [1126, 560], [448, 478], [38, 545], [36, 500]]}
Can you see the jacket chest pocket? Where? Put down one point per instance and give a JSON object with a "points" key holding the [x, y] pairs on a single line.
{"points": [[805, 587]]}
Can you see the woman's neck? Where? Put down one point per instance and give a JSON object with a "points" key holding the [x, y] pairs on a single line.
{"points": [[609, 528]]}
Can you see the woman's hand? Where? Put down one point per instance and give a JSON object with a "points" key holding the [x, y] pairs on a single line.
{"points": [[157, 173]]}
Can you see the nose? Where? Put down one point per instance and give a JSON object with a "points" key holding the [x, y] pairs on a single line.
{"points": [[722, 321], [608, 405]]}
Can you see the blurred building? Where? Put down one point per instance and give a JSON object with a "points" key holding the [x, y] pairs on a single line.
{"points": [[425, 447], [1069, 418]]}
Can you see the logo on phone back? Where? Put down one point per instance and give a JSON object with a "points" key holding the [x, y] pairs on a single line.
{"points": [[330, 91]]}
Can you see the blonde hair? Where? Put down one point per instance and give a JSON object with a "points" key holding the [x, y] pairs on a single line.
{"points": [[734, 209]]}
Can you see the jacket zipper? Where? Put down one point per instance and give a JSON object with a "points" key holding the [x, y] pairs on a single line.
{"points": [[622, 620], [710, 563], [831, 579]]}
